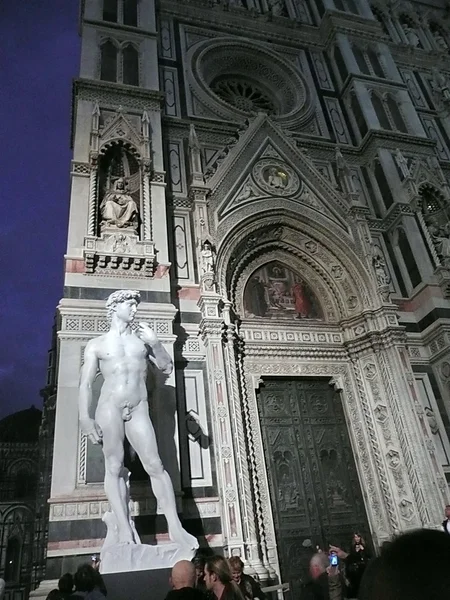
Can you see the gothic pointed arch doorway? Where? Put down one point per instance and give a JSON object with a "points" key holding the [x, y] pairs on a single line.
{"points": [[352, 341], [314, 488]]}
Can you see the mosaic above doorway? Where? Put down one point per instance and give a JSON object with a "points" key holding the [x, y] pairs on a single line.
{"points": [[276, 292]]}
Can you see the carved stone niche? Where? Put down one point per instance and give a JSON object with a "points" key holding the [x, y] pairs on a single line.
{"points": [[122, 251]]}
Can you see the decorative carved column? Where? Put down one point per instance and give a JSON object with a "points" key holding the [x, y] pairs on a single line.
{"points": [[93, 174], [211, 328], [146, 165], [242, 438], [426, 476], [411, 483]]}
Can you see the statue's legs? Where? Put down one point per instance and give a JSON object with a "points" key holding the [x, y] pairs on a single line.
{"points": [[110, 420], [141, 435]]}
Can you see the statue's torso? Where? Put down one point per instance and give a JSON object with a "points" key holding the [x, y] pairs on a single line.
{"points": [[123, 365]]}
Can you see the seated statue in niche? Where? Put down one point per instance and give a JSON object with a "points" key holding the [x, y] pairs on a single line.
{"points": [[276, 7], [411, 35], [440, 84], [440, 235], [440, 40], [118, 209]]}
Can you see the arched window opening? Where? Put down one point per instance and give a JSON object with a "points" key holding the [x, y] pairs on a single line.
{"points": [[108, 70], [380, 18], [383, 185], [25, 484], [396, 115], [433, 203], [130, 65], [408, 258], [12, 562], [361, 60], [380, 111], [110, 10], [130, 13], [375, 62]]}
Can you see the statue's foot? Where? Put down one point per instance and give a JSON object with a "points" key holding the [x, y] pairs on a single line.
{"points": [[183, 538]]}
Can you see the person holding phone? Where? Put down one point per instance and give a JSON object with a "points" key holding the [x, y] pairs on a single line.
{"points": [[355, 564]]}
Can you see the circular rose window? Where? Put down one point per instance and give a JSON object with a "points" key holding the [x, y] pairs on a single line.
{"points": [[235, 78], [244, 95]]}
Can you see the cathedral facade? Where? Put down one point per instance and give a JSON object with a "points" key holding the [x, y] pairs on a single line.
{"points": [[273, 176]]}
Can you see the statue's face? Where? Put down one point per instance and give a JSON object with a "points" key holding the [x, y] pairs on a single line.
{"points": [[126, 310], [120, 184]]}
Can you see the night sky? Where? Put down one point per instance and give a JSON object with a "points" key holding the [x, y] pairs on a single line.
{"points": [[38, 59]]}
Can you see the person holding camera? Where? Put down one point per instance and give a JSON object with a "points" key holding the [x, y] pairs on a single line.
{"points": [[355, 563]]}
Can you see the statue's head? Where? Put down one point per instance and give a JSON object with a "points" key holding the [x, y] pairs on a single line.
{"points": [[120, 184], [128, 298]]}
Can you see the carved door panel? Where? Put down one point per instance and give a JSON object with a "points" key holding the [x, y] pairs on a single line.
{"points": [[314, 485]]}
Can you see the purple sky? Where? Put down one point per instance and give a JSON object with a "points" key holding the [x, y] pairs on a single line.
{"points": [[38, 59]]}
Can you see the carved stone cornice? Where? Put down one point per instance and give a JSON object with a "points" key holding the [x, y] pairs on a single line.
{"points": [[244, 23], [118, 93], [349, 24]]}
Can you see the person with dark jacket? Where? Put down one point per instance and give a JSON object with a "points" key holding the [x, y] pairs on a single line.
{"points": [[317, 587], [219, 581], [355, 565], [250, 588], [88, 584], [182, 581]]}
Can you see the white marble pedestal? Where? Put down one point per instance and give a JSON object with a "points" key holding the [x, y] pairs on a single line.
{"points": [[118, 558]]}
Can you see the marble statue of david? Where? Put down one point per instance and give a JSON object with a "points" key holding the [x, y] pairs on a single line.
{"points": [[122, 357]]}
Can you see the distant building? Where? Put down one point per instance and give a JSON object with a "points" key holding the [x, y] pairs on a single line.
{"points": [[19, 483]]}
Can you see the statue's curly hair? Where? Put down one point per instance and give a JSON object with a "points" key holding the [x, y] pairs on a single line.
{"points": [[120, 296]]}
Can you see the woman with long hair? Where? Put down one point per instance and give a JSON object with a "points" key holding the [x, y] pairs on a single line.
{"points": [[218, 579], [355, 564]]}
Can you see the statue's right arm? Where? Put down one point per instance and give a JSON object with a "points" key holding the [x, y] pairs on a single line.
{"points": [[88, 373]]}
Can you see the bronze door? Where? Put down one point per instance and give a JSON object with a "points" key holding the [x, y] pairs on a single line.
{"points": [[314, 485]]}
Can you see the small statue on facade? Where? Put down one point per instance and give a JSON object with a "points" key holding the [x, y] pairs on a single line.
{"points": [[432, 421], [246, 193], [118, 209], [440, 236], [207, 257], [440, 84], [276, 179], [381, 273], [276, 7], [402, 164], [411, 35], [440, 40]]}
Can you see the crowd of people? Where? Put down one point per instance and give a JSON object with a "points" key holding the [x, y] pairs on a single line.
{"points": [[413, 566], [206, 577]]}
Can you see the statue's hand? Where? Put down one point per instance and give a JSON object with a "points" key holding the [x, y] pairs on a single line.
{"points": [[147, 335], [90, 428]]}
